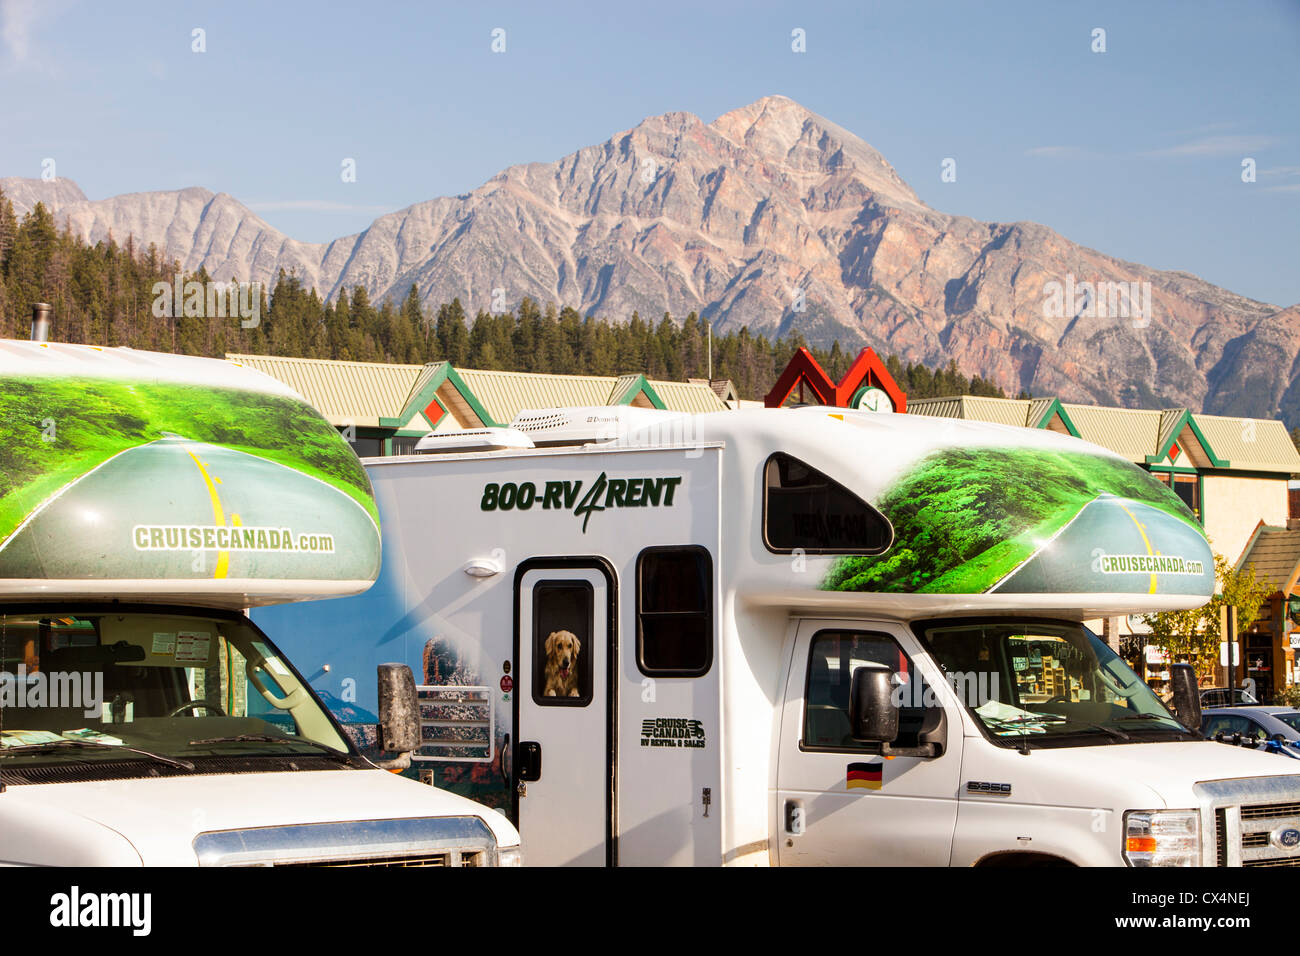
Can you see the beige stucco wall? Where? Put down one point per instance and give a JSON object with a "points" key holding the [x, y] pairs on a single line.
{"points": [[1234, 506]]}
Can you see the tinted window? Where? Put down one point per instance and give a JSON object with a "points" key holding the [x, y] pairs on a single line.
{"points": [[832, 658], [1254, 729], [674, 627], [804, 509], [1291, 720], [562, 651], [1230, 724]]}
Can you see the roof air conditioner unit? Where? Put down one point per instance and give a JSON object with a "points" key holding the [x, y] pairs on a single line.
{"points": [[593, 423], [474, 439]]}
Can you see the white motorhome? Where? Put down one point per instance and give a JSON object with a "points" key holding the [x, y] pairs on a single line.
{"points": [[146, 500], [796, 636]]}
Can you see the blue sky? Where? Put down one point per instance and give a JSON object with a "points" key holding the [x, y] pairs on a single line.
{"points": [[1136, 151]]}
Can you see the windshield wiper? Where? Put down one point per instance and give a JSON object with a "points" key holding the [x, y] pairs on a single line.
{"points": [[51, 745], [1177, 725], [269, 739], [1059, 719], [1113, 731]]}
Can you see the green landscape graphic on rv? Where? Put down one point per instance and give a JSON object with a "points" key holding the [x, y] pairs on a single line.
{"points": [[1031, 521], [115, 479]]}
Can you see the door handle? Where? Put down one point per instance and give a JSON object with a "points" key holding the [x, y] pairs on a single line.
{"points": [[529, 760]]}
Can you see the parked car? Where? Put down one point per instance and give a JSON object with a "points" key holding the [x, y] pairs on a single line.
{"points": [[1223, 697], [1277, 729]]}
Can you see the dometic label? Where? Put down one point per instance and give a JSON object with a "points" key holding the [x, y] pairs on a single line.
{"points": [[1149, 564], [195, 537], [601, 494], [671, 732]]}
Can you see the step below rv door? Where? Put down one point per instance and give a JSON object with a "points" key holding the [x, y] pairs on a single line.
{"points": [[561, 771]]}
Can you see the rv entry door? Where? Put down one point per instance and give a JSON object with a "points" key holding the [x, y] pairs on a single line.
{"points": [[562, 767]]}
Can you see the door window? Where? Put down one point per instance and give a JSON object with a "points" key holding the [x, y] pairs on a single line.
{"points": [[562, 648], [832, 658]]}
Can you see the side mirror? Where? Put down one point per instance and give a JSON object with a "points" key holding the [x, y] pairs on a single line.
{"points": [[1187, 695], [873, 715], [399, 715]]}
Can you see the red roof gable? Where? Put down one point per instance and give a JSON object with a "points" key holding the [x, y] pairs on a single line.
{"points": [[867, 369], [803, 367]]}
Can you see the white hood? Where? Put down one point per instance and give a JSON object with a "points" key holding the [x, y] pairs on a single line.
{"points": [[1146, 776], [161, 817]]}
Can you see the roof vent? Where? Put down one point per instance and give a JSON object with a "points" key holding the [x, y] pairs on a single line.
{"points": [[581, 426], [41, 313], [474, 439]]}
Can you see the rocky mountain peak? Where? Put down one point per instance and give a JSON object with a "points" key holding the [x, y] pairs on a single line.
{"points": [[782, 131], [770, 217], [24, 193]]}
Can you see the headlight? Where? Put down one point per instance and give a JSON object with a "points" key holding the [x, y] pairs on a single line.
{"points": [[510, 856], [1162, 838]]}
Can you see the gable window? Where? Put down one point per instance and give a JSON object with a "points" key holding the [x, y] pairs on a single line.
{"points": [[804, 509]]}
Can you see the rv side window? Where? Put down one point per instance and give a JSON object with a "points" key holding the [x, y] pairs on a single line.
{"points": [[805, 510], [674, 613], [832, 658], [562, 624]]}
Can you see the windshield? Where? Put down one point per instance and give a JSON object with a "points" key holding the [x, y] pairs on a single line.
{"points": [[78, 688], [1048, 684]]}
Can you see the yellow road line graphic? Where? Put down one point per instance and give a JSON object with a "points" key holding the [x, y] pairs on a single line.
{"points": [[218, 515], [1145, 540]]}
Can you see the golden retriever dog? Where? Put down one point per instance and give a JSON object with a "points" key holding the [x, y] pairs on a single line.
{"points": [[562, 649]]}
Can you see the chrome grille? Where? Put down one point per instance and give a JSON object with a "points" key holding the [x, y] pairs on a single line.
{"points": [[1220, 838], [417, 842], [1250, 819], [1295, 862], [450, 859], [1271, 810]]}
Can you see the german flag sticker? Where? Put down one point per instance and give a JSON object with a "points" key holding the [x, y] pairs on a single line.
{"points": [[864, 776]]}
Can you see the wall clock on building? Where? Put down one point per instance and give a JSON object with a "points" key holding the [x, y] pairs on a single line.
{"points": [[872, 399]]}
